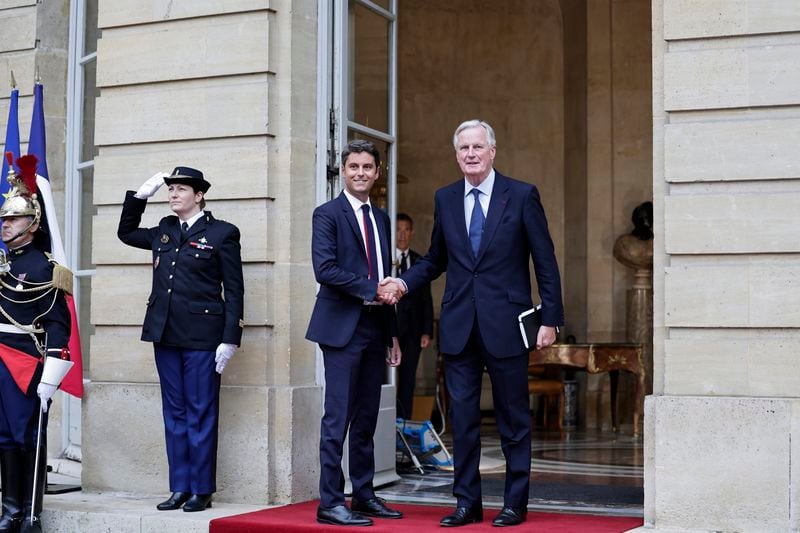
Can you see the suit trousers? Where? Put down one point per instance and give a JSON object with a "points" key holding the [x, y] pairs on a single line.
{"points": [[190, 402], [407, 374], [354, 375], [509, 377]]}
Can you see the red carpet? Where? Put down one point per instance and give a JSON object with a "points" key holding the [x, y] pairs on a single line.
{"points": [[418, 519]]}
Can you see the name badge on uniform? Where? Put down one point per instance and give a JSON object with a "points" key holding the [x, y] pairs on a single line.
{"points": [[164, 238]]}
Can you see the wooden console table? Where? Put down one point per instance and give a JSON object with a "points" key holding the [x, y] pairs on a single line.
{"points": [[601, 357]]}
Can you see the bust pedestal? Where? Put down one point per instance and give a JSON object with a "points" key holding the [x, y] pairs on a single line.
{"points": [[638, 254]]}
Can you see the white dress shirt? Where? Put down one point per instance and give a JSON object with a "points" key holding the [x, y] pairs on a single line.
{"points": [[192, 220]]}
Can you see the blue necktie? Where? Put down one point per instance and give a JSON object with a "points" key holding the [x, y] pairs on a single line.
{"points": [[372, 254], [476, 223]]}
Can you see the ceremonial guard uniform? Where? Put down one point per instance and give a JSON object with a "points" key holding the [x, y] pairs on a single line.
{"points": [[193, 326], [34, 323]]}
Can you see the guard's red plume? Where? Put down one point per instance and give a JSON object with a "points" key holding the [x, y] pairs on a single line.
{"points": [[10, 158], [27, 169]]}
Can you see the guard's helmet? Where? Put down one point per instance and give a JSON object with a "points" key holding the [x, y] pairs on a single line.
{"points": [[22, 199]]}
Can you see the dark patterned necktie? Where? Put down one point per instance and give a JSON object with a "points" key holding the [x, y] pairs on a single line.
{"points": [[403, 267], [185, 227]]}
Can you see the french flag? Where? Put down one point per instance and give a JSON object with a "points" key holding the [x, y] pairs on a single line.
{"points": [[37, 145]]}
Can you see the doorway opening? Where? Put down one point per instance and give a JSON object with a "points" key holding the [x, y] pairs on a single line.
{"points": [[566, 85]]}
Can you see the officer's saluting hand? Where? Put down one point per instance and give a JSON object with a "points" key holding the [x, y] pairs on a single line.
{"points": [[195, 331]]}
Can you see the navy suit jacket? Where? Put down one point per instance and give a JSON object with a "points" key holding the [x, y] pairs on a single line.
{"points": [[495, 285], [341, 269], [186, 308]]}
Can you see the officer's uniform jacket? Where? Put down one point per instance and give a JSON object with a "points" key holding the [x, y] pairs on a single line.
{"points": [[31, 266], [46, 310], [186, 308]]}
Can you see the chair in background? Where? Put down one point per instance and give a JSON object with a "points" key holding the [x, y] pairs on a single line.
{"points": [[546, 390]]}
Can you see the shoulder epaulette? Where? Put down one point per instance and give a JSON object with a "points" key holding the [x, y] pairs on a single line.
{"points": [[62, 277]]}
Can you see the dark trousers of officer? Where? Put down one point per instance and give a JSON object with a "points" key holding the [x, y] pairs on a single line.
{"points": [[509, 377], [18, 415], [407, 375], [353, 378], [18, 424], [190, 402]]}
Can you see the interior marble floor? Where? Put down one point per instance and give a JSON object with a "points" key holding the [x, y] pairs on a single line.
{"points": [[577, 471]]}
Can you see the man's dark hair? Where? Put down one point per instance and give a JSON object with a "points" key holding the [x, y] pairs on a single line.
{"points": [[404, 216], [358, 146]]}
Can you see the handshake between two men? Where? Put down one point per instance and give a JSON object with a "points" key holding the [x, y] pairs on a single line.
{"points": [[390, 290]]}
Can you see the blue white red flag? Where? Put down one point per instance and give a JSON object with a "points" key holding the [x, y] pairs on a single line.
{"points": [[37, 145]]}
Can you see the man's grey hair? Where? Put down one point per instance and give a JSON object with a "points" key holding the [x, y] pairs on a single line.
{"points": [[474, 123]]}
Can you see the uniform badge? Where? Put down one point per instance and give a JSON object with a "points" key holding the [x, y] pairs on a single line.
{"points": [[203, 239], [155, 263], [164, 238]]}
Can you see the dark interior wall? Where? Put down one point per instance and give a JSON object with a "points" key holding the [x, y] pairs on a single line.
{"points": [[575, 200], [498, 61]]}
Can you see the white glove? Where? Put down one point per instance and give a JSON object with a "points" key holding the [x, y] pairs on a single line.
{"points": [[45, 392], [152, 185], [224, 354]]}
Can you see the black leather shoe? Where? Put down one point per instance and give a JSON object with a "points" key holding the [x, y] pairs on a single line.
{"points": [[374, 507], [510, 516], [341, 516], [198, 502], [462, 516], [175, 501]]}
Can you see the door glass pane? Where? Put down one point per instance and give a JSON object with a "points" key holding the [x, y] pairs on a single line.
{"points": [[383, 3], [90, 44], [379, 193], [90, 93], [368, 68], [84, 324], [88, 211]]}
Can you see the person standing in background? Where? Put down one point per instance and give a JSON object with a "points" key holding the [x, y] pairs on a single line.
{"points": [[414, 320], [194, 319]]}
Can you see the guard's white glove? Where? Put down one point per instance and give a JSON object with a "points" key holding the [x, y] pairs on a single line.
{"points": [[151, 186], [224, 353], [45, 392]]}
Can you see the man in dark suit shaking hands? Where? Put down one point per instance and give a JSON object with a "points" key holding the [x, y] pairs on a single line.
{"points": [[486, 229], [351, 253]]}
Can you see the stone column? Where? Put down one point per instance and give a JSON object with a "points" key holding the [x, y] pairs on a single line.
{"points": [[230, 88]]}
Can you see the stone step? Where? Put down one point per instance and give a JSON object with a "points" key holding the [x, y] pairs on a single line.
{"points": [[84, 512]]}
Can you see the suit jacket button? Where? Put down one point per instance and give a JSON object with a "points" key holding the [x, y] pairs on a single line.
{"points": [[206, 311], [170, 276], [170, 290], [197, 255], [176, 249], [173, 263]]}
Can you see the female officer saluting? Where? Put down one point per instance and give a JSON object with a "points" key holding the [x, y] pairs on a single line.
{"points": [[193, 326]]}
